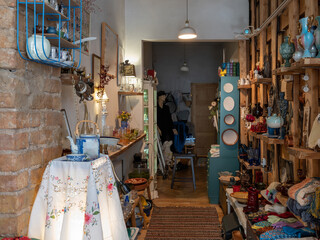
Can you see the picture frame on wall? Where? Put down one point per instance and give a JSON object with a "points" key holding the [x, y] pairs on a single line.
{"points": [[96, 66], [110, 50]]}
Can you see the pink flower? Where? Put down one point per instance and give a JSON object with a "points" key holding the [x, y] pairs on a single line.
{"points": [[47, 217], [56, 178], [110, 187], [87, 218]]}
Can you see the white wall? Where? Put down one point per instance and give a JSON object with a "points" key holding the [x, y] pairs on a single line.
{"points": [[113, 13], [156, 20]]}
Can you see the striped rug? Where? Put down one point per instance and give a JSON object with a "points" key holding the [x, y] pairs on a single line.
{"points": [[188, 223]]}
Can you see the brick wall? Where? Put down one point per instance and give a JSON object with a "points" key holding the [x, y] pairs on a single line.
{"points": [[30, 125]]}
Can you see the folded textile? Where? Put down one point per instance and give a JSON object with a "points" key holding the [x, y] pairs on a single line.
{"points": [[283, 224], [275, 219], [315, 204], [282, 215], [259, 231], [275, 208], [277, 234], [261, 225], [301, 211], [260, 219], [301, 191], [301, 232], [256, 214]]}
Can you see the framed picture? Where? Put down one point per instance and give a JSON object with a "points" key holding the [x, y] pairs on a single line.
{"points": [[109, 50], [96, 63]]}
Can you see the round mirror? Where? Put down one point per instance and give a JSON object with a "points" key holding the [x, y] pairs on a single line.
{"points": [[229, 137], [228, 87], [228, 103], [229, 119]]}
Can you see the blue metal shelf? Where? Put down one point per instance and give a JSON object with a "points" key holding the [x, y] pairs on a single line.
{"points": [[44, 11]]}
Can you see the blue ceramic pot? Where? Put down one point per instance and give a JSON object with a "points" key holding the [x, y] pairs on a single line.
{"points": [[317, 36], [287, 50], [124, 124]]}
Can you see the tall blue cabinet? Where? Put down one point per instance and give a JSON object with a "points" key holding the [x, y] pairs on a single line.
{"points": [[228, 136]]}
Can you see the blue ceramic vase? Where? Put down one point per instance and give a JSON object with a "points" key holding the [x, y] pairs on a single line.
{"points": [[124, 124], [307, 38], [317, 36], [287, 50]]}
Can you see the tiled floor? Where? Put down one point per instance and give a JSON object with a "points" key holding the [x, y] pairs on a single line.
{"points": [[183, 194]]}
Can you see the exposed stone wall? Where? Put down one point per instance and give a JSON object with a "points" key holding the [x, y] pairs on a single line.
{"points": [[30, 125]]}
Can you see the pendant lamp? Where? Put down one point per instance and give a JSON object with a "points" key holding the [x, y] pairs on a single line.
{"points": [[187, 32], [184, 67]]}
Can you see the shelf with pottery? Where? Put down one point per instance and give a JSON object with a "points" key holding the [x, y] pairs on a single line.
{"points": [[40, 45], [298, 67], [272, 140], [247, 165], [283, 201], [47, 9], [54, 40]]}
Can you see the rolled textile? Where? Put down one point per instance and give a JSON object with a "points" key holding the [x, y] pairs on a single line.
{"points": [[302, 191]]}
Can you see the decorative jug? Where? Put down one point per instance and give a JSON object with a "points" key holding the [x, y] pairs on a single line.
{"points": [[317, 36], [253, 200], [307, 38], [85, 143], [287, 50], [297, 55], [38, 47], [274, 124]]}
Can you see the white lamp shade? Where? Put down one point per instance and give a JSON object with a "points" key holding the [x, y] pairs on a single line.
{"points": [[184, 67], [187, 32]]}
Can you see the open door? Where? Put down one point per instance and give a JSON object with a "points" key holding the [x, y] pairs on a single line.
{"points": [[202, 96]]}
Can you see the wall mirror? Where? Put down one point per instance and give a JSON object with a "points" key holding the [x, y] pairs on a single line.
{"points": [[229, 137], [229, 119], [228, 87], [228, 103]]}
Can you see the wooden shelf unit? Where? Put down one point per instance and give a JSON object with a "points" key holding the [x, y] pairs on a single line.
{"points": [[47, 8], [247, 165], [299, 67], [244, 86]]}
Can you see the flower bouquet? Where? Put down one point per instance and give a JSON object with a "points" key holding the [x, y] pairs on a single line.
{"points": [[124, 116], [214, 113]]}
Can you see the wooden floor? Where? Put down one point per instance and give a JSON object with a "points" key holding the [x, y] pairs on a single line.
{"points": [[182, 193]]}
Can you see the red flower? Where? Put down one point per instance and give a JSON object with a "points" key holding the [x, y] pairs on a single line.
{"points": [[110, 187], [87, 218]]}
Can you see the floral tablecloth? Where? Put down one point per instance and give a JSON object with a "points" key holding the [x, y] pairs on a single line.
{"points": [[78, 200]]}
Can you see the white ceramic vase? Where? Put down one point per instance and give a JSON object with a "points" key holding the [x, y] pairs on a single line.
{"points": [[43, 50]]}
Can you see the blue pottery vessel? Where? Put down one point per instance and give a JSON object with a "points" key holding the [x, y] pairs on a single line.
{"points": [[124, 124], [307, 38], [317, 36], [287, 50]]}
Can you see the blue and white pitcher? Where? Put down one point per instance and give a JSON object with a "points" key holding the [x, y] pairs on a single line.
{"points": [[85, 143]]}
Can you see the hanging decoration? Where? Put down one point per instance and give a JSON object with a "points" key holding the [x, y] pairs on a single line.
{"points": [[105, 77]]}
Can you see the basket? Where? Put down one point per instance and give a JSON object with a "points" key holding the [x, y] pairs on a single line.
{"points": [[137, 184]]}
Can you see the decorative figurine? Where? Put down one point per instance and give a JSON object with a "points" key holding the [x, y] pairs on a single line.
{"points": [[287, 50]]}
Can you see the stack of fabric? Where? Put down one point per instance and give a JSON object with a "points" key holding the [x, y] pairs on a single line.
{"points": [[215, 151], [271, 225], [304, 200]]}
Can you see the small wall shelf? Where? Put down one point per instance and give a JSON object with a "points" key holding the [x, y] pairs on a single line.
{"points": [[54, 40], [298, 67], [47, 8], [130, 93]]}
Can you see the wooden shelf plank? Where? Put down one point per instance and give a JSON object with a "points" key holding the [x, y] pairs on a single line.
{"points": [[298, 67], [262, 81], [255, 135], [272, 140], [247, 165], [54, 40], [244, 86], [303, 153], [47, 9], [130, 93], [113, 155]]}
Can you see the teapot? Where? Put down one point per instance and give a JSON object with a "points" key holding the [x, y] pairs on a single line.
{"points": [[274, 121], [85, 143]]}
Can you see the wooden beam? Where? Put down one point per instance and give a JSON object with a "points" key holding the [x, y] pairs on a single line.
{"points": [[274, 38], [243, 58], [263, 34], [313, 95], [253, 47], [275, 166], [295, 127], [311, 8], [284, 20]]}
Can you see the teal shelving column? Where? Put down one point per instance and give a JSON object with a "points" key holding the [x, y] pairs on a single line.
{"points": [[228, 136]]}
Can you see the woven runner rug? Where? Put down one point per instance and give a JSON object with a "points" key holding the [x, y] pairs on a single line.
{"points": [[188, 223]]}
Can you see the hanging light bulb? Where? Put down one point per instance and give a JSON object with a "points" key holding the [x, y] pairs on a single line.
{"points": [[187, 32], [184, 67]]}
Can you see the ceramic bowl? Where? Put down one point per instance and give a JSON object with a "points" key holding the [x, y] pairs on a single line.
{"points": [[109, 140], [76, 157]]}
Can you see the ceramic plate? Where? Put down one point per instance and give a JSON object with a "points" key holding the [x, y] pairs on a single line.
{"points": [[229, 119], [228, 87], [230, 137], [228, 103]]}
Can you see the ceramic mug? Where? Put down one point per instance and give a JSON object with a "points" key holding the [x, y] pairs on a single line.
{"points": [[54, 52], [64, 55]]}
